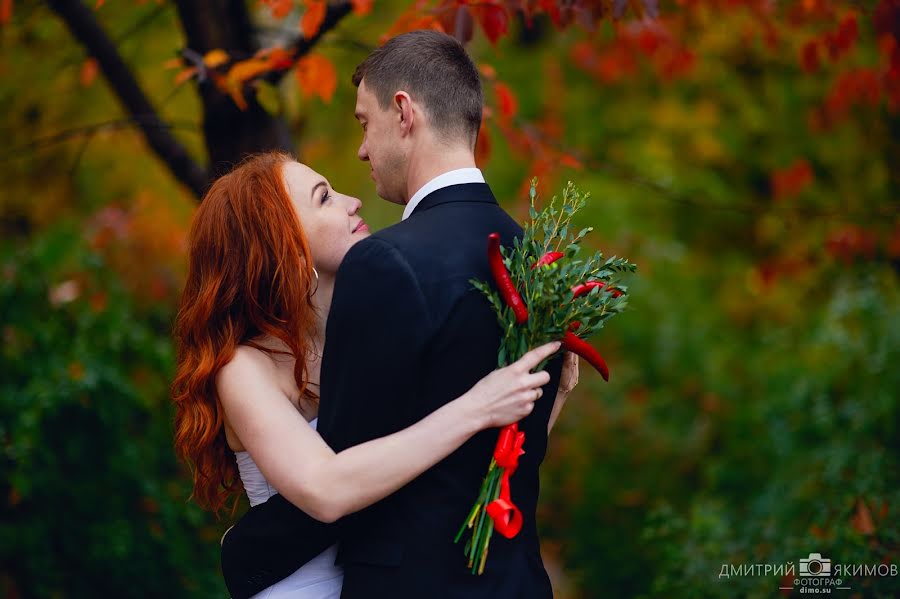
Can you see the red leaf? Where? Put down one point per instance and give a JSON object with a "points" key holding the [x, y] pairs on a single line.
{"points": [[494, 20], [483, 146], [792, 180], [456, 21], [5, 11], [570, 161], [506, 101], [809, 56], [848, 31], [313, 18], [317, 77]]}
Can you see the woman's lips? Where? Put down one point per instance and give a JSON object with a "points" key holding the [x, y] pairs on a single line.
{"points": [[362, 226]]}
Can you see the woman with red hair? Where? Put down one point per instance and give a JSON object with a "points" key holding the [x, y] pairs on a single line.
{"points": [[265, 246]]}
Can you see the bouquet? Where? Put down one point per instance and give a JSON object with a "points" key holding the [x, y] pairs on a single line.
{"points": [[544, 292]]}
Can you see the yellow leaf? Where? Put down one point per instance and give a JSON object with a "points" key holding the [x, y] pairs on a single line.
{"points": [[215, 58]]}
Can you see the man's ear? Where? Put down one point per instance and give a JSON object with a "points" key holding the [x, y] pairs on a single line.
{"points": [[405, 114]]}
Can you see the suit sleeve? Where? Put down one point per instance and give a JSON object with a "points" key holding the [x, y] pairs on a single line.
{"points": [[270, 542], [375, 339]]}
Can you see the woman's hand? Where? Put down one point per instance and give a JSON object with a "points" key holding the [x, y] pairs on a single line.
{"points": [[567, 382], [508, 394]]}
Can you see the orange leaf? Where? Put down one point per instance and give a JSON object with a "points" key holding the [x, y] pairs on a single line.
{"points": [[5, 11], [239, 74], [99, 4], [570, 161], [506, 101], [185, 74], [861, 521], [89, 70], [278, 58], [76, 371], [317, 76], [280, 8], [362, 7], [488, 71], [313, 18]]}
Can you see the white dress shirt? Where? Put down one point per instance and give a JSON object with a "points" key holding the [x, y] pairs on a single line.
{"points": [[461, 175]]}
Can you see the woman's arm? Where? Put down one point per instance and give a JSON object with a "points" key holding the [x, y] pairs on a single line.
{"points": [[327, 486], [567, 381]]}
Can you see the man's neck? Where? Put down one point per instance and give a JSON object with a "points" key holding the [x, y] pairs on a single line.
{"points": [[321, 299], [427, 165]]}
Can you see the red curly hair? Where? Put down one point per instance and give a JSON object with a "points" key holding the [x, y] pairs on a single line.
{"points": [[249, 275]]}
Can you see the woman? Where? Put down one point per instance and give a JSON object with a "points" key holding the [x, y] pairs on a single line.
{"points": [[266, 243]]}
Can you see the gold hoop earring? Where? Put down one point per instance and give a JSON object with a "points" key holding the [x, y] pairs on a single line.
{"points": [[315, 272]]}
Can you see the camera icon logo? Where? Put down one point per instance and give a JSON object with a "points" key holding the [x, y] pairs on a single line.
{"points": [[815, 565]]}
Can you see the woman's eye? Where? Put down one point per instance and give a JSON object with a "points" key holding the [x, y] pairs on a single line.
{"points": [[325, 197]]}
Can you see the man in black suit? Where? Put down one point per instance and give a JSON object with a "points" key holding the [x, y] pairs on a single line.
{"points": [[406, 334]]}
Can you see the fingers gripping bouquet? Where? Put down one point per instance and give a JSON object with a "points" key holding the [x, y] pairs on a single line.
{"points": [[544, 292]]}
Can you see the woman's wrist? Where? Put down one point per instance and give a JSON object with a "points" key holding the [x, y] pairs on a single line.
{"points": [[473, 413]]}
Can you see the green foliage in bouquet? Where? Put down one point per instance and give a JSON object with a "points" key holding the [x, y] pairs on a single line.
{"points": [[545, 267], [543, 293]]}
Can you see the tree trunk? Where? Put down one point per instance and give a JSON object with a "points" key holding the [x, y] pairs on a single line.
{"points": [[230, 133]]}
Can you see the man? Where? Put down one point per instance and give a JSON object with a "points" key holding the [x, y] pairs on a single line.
{"points": [[406, 334]]}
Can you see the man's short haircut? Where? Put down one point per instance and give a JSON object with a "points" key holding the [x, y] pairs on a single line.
{"points": [[436, 72]]}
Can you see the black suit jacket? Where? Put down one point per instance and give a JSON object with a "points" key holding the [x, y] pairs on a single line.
{"points": [[406, 334]]}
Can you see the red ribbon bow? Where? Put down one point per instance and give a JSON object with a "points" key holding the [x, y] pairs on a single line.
{"points": [[506, 516]]}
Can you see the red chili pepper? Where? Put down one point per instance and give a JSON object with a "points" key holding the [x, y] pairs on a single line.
{"points": [[576, 345], [504, 283], [583, 288], [548, 258]]}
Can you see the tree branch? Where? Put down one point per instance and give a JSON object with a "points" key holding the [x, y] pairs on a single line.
{"points": [[90, 130], [84, 27], [302, 46]]}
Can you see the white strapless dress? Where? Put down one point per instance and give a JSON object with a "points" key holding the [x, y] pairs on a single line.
{"points": [[318, 578]]}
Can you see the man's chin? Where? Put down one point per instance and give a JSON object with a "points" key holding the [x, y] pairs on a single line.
{"points": [[389, 197]]}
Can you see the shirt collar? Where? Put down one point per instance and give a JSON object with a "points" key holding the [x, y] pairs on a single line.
{"points": [[456, 177]]}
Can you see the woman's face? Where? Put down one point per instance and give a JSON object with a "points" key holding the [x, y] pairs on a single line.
{"points": [[329, 218]]}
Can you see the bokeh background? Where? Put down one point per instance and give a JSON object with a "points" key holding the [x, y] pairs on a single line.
{"points": [[744, 153]]}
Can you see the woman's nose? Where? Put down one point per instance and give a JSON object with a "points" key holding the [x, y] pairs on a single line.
{"points": [[353, 205]]}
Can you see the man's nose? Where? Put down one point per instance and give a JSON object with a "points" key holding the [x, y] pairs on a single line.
{"points": [[363, 152]]}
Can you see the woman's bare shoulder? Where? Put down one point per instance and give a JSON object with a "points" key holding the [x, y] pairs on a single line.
{"points": [[247, 363]]}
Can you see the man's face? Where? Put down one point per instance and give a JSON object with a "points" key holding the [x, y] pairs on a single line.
{"points": [[382, 146]]}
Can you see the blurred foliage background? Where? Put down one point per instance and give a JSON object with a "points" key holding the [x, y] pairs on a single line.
{"points": [[743, 153]]}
